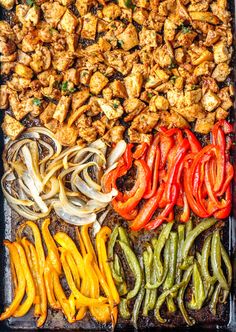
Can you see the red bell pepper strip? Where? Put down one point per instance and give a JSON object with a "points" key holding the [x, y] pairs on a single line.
{"points": [[166, 143], [124, 214], [167, 210], [225, 125], [151, 191], [140, 150], [131, 203], [195, 145], [224, 213], [172, 132], [147, 210], [150, 157], [186, 210], [230, 175]]}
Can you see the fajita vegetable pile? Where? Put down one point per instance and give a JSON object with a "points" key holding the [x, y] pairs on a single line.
{"points": [[117, 162]]}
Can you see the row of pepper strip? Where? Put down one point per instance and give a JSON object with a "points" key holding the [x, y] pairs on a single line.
{"points": [[175, 170], [37, 278]]}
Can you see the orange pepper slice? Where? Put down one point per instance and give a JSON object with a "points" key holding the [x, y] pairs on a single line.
{"points": [[81, 243], [87, 241], [73, 268], [21, 282], [48, 279]]}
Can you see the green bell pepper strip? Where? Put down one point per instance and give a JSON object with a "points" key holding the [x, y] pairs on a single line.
{"points": [[135, 268], [181, 235], [215, 299], [147, 261], [206, 252], [110, 255], [137, 305], [228, 266], [216, 260], [189, 227], [123, 308], [123, 235], [198, 295]]}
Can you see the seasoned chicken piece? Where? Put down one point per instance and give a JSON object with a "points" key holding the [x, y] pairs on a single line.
{"points": [[204, 56], [210, 101], [204, 17], [136, 137], [47, 114], [104, 44], [85, 128], [7, 46], [192, 97], [221, 72], [200, 6], [145, 122], [83, 6], [220, 12], [8, 58], [205, 68], [53, 12], [23, 58], [221, 113], [11, 127], [41, 59], [7, 4], [179, 55], [118, 89], [71, 75], [111, 11], [107, 93], [133, 106], [21, 11], [30, 41], [140, 15], [7, 67], [224, 96], [18, 83], [128, 38], [175, 98], [46, 76], [99, 126], [67, 136], [221, 52], [172, 119], [77, 113], [62, 108], [3, 97], [191, 113], [133, 84], [89, 28], [115, 134], [147, 37], [161, 103], [209, 83], [97, 82], [79, 98], [204, 125], [121, 61], [15, 105], [185, 39], [169, 30], [32, 16], [68, 22], [111, 108], [6, 30], [62, 60]]}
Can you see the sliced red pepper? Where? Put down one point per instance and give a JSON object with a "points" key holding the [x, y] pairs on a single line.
{"points": [[165, 213], [230, 175], [147, 210], [166, 143], [124, 214], [172, 132], [186, 210], [224, 213], [154, 180], [195, 145], [140, 150], [132, 202]]}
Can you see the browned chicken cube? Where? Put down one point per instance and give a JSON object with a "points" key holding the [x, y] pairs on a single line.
{"points": [[97, 82], [89, 29], [210, 101], [11, 127], [53, 12], [47, 114], [68, 22], [204, 125], [67, 136], [62, 108], [128, 38]]}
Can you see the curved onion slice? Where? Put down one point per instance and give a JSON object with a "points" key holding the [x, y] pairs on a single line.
{"points": [[71, 219], [30, 165], [116, 153], [90, 181]]}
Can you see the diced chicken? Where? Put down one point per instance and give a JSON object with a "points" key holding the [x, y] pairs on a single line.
{"points": [[175, 98], [192, 97], [107, 93], [52, 125], [62, 60], [172, 119], [77, 113], [212, 37], [85, 128], [205, 68], [169, 29], [18, 111], [148, 37], [7, 67], [136, 137], [79, 98], [3, 97], [18, 83], [23, 71], [145, 122], [133, 84], [224, 95], [89, 28], [191, 113], [30, 41], [204, 125], [11, 127], [115, 134], [221, 52], [83, 6], [210, 101], [71, 75], [111, 11], [7, 4], [112, 108], [118, 89], [67, 136], [221, 113], [41, 59], [7, 46], [140, 16], [62, 108], [141, 3], [23, 58], [204, 17], [47, 114], [99, 126], [128, 38], [32, 16], [185, 39], [133, 106], [68, 22], [97, 82], [53, 12], [121, 61], [161, 103], [221, 72]]}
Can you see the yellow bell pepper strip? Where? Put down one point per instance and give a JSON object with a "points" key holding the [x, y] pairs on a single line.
{"points": [[61, 297], [81, 243], [53, 253], [54, 304], [67, 243], [101, 313], [87, 241], [21, 282], [41, 287], [38, 244], [82, 299], [30, 287], [101, 239], [72, 304], [73, 268], [13, 273], [37, 308]]}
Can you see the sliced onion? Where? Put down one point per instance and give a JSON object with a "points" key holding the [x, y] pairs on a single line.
{"points": [[116, 153], [90, 181], [74, 220], [29, 164], [54, 185]]}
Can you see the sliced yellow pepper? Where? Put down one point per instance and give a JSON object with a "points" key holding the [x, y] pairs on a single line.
{"points": [[87, 241], [21, 282], [41, 287], [37, 308], [30, 287], [53, 253], [48, 279], [81, 243], [82, 299], [61, 297], [72, 304], [101, 239], [67, 243], [73, 268]]}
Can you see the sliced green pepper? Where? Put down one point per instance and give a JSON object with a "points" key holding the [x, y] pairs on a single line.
{"points": [[198, 294]]}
